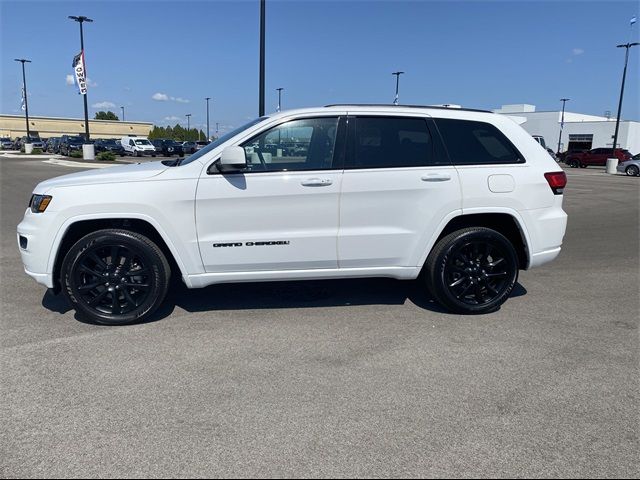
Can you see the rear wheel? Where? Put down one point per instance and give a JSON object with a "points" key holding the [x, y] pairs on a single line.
{"points": [[574, 163], [632, 171], [582, 165], [115, 277], [472, 271]]}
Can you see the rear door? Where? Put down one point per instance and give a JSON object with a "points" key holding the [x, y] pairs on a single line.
{"points": [[397, 187]]}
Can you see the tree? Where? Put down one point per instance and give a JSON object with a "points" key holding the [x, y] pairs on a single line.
{"points": [[101, 115]]}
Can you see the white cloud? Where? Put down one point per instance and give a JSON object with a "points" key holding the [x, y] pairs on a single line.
{"points": [[103, 105], [577, 51], [70, 80], [91, 83], [163, 97], [172, 118]]}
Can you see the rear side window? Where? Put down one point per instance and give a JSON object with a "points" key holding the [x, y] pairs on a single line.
{"points": [[387, 142], [476, 143]]}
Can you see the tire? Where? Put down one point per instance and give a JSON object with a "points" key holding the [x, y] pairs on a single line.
{"points": [[632, 171], [574, 163], [472, 270], [107, 292], [582, 165]]}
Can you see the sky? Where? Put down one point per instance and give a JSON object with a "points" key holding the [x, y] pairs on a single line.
{"points": [[160, 59]]}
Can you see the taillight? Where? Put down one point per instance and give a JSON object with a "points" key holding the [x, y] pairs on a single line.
{"points": [[557, 181]]}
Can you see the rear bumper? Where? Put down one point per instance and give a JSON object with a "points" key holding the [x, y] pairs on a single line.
{"points": [[546, 228]]}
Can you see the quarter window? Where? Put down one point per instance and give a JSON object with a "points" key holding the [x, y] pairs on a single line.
{"points": [[476, 143], [305, 144], [388, 142]]}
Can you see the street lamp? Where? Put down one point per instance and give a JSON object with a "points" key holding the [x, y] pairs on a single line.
{"points": [[207, 99], [397, 74], [122, 113], [81, 20], [564, 101], [261, 88], [188, 115], [627, 46], [279, 97], [24, 93]]}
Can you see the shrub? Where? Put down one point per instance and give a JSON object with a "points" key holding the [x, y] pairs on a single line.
{"points": [[75, 154], [106, 156], [37, 151]]}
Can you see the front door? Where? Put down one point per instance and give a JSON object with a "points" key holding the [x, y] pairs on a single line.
{"points": [[281, 212]]}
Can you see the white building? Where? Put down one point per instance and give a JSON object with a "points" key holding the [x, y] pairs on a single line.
{"points": [[581, 132]]}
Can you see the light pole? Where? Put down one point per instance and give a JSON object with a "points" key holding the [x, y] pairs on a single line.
{"points": [[397, 74], [207, 99], [217, 125], [564, 101], [627, 46], [261, 88], [81, 20], [24, 93], [279, 97], [188, 115], [122, 113]]}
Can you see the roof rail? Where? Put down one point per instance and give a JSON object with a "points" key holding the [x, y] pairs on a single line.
{"points": [[405, 106]]}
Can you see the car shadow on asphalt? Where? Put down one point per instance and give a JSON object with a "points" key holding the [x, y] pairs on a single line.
{"points": [[288, 294]]}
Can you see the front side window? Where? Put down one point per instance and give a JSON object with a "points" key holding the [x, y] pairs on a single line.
{"points": [[388, 142], [476, 143], [306, 144]]}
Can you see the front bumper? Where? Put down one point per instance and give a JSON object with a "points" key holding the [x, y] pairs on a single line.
{"points": [[35, 257]]}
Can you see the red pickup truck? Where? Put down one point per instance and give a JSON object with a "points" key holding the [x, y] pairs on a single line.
{"points": [[595, 157]]}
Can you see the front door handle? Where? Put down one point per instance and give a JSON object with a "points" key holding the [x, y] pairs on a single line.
{"points": [[436, 177], [317, 182]]}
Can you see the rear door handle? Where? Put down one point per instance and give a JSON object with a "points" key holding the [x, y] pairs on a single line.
{"points": [[317, 182], [436, 177]]}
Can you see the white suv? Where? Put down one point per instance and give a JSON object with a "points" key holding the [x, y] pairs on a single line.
{"points": [[465, 197]]}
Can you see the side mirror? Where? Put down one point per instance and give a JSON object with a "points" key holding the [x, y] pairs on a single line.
{"points": [[232, 159]]}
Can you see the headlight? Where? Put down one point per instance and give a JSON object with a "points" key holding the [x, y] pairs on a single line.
{"points": [[39, 203]]}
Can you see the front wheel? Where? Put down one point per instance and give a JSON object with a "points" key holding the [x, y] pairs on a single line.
{"points": [[574, 163], [472, 271], [632, 171], [115, 277]]}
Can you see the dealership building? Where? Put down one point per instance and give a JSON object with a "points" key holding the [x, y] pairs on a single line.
{"points": [[14, 126], [580, 132]]}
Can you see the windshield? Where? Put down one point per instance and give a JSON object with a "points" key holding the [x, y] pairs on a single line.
{"points": [[221, 140], [143, 142], [76, 139]]}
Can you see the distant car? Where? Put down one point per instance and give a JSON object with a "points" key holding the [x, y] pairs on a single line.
{"points": [[168, 147], [595, 157], [35, 141], [189, 147], [630, 167], [53, 145], [201, 144], [7, 144], [137, 146], [552, 153], [109, 145], [70, 143]]}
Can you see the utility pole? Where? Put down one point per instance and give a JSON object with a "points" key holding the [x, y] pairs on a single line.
{"points": [[122, 113], [188, 115], [24, 93], [627, 46], [397, 74], [81, 20], [279, 97], [564, 101], [261, 89], [207, 99]]}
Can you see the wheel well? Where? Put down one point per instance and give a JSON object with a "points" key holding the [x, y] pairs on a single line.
{"points": [[79, 229], [504, 223]]}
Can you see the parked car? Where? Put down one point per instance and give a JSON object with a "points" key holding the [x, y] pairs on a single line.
{"points": [[7, 144], [70, 143], [137, 146], [552, 154], [33, 140], [390, 205], [109, 145], [189, 147], [168, 147], [201, 144], [53, 145], [595, 157], [631, 167]]}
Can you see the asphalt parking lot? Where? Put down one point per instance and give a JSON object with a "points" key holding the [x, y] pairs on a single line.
{"points": [[337, 378]]}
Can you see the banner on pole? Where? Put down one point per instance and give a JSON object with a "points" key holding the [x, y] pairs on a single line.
{"points": [[80, 72]]}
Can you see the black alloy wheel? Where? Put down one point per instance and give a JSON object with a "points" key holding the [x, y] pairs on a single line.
{"points": [[472, 270], [115, 277]]}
